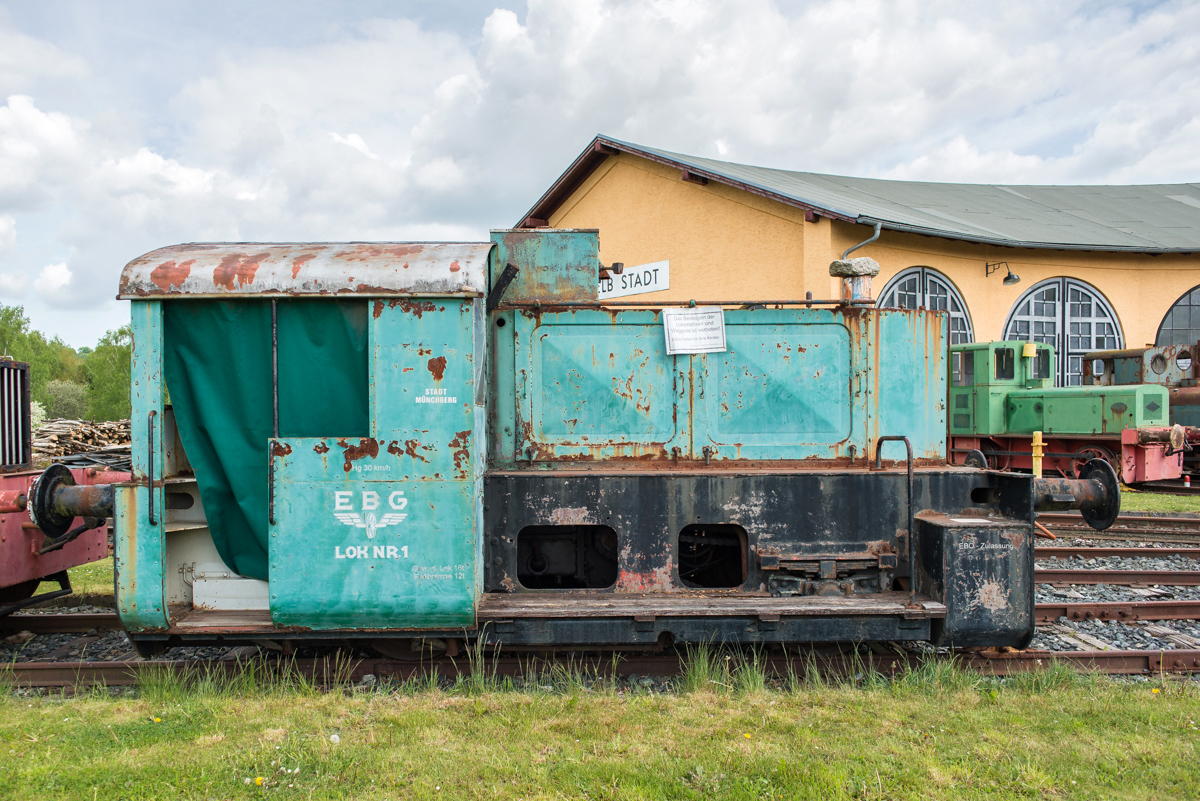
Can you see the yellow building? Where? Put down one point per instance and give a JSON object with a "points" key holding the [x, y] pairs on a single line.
{"points": [[1081, 267]]}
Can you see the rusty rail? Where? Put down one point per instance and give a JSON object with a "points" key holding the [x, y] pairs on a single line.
{"points": [[1169, 578], [333, 670], [1121, 611], [61, 624], [1067, 551]]}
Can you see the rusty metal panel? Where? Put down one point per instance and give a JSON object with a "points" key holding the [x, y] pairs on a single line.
{"points": [[555, 265], [782, 389], [380, 532], [21, 561], [908, 388], [140, 527], [982, 570], [415, 269], [595, 385], [1172, 365]]}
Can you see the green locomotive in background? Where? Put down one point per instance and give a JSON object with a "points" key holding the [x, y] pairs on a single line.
{"points": [[1002, 392]]}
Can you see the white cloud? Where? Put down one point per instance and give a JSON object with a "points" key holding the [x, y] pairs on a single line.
{"points": [[354, 141], [8, 231], [39, 151], [25, 61], [13, 286], [388, 130], [53, 281]]}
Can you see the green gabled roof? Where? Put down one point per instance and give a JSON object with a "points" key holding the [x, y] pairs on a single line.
{"points": [[1148, 218]]}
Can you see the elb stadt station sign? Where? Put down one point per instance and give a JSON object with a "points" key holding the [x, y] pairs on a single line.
{"points": [[637, 280]]}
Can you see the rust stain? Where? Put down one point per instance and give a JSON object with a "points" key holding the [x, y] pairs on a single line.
{"points": [[437, 367], [657, 580], [394, 448], [299, 262], [169, 274], [280, 449], [239, 267], [320, 447], [454, 266], [367, 446], [374, 253], [1015, 537], [410, 447], [462, 456]]}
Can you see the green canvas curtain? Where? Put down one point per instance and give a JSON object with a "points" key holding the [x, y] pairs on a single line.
{"points": [[217, 364]]}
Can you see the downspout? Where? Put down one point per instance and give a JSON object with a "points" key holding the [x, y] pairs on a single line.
{"points": [[865, 242], [856, 274]]}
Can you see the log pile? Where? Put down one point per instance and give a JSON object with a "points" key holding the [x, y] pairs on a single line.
{"points": [[69, 437]]}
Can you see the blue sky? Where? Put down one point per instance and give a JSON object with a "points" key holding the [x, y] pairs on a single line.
{"points": [[127, 126]]}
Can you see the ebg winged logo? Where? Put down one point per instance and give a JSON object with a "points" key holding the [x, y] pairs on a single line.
{"points": [[369, 521]]}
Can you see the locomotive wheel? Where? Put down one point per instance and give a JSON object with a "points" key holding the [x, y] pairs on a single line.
{"points": [[1087, 454], [975, 458], [19, 592]]}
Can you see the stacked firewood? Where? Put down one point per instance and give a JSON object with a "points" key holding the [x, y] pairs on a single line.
{"points": [[67, 437]]}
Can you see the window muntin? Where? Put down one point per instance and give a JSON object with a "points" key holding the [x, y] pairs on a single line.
{"points": [[1070, 315], [1181, 324], [1005, 364], [1041, 365], [963, 367], [925, 287]]}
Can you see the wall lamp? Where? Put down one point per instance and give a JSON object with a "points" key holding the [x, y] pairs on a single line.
{"points": [[1009, 280]]}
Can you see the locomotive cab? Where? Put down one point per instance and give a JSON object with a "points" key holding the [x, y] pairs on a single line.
{"points": [[1003, 392]]}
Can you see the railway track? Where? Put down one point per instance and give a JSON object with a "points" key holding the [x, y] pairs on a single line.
{"points": [[334, 671], [1067, 552], [1126, 578], [1138, 612], [1123, 611], [1139, 528], [68, 623]]}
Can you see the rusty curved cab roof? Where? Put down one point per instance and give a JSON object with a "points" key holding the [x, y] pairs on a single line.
{"points": [[240, 269]]}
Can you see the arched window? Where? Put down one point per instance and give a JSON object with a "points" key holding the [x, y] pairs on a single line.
{"points": [[1181, 326], [924, 286], [1070, 315]]}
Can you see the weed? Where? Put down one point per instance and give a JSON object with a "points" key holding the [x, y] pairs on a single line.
{"points": [[704, 669], [750, 673]]}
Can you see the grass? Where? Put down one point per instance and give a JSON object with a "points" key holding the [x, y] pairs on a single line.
{"points": [[1134, 501], [937, 732], [95, 578]]}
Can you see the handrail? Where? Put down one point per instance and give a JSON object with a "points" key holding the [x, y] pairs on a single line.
{"points": [[150, 468]]}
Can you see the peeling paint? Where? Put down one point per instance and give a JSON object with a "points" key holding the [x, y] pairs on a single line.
{"points": [[367, 446], [569, 516]]}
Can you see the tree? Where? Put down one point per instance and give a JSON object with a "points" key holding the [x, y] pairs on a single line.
{"points": [[106, 370], [48, 359], [68, 399]]}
